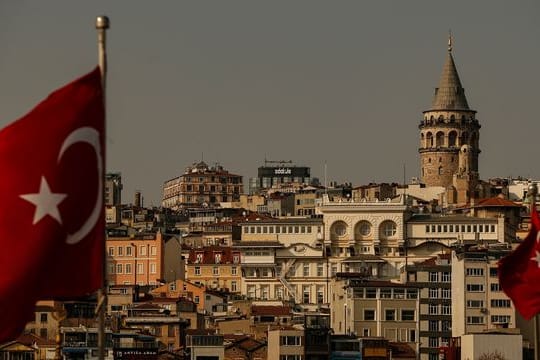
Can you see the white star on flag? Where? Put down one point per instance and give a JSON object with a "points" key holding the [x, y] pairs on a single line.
{"points": [[536, 258], [46, 202]]}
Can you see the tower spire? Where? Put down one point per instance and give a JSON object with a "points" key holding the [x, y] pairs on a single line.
{"points": [[450, 40]]}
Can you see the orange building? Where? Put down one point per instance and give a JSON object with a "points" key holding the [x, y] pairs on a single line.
{"points": [[136, 259]]}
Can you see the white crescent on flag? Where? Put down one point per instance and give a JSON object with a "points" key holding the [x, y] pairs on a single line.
{"points": [[90, 136]]}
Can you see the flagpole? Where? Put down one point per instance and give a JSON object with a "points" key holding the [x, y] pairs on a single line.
{"points": [[102, 24], [532, 191]]}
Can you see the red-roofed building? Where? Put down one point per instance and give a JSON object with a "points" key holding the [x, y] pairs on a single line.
{"points": [[215, 267]]}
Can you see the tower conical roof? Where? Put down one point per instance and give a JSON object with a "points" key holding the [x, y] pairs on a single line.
{"points": [[450, 95]]}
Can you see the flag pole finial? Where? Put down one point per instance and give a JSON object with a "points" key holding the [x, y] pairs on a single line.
{"points": [[102, 24]]}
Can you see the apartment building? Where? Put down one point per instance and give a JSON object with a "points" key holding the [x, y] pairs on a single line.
{"points": [[283, 259], [215, 267], [286, 343], [375, 308], [202, 185], [135, 259], [434, 279], [483, 305]]}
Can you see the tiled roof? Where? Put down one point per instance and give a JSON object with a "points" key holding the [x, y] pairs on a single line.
{"points": [[496, 202], [209, 255], [270, 310], [450, 95]]}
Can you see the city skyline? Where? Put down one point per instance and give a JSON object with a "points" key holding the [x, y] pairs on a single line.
{"points": [[313, 82]]}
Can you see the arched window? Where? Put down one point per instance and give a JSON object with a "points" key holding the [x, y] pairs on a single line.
{"points": [[452, 137], [429, 139], [362, 229], [388, 229], [338, 229], [439, 139]]}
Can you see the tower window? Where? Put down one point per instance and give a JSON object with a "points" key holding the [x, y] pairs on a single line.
{"points": [[440, 159], [440, 170]]}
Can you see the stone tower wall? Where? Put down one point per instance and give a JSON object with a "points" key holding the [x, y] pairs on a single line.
{"points": [[438, 167], [442, 133]]}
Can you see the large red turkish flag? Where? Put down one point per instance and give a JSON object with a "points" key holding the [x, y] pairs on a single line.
{"points": [[519, 272], [51, 210]]}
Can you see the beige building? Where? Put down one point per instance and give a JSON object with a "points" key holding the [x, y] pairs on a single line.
{"points": [[286, 343], [283, 259], [201, 185], [375, 308], [215, 267], [353, 228], [482, 305]]}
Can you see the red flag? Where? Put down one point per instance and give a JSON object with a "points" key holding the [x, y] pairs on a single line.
{"points": [[519, 272], [51, 210]]}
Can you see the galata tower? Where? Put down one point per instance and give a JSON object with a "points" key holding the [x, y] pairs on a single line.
{"points": [[449, 133]]}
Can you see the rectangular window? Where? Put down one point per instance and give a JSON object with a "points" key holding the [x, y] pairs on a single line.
{"points": [[371, 293], [475, 303], [140, 269], [320, 269], [43, 317], [234, 286], [390, 314], [446, 293], [369, 314], [433, 342], [475, 287], [386, 293], [407, 315], [153, 268], [119, 268], [475, 272], [433, 325], [234, 270], [197, 270], [427, 228], [495, 287], [500, 303], [142, 250], [433, 309], [305, 269], [196, 299], [111, 251], [215, 270], [111, 268], [271, 229], [475, 320], [153, 250], [446, 325], [128, 250], [446, 276], [128, 268], [120, 251], [493, 272], [446, 309], [433, 293], [433, 276], [500, 319], [290, 340]]}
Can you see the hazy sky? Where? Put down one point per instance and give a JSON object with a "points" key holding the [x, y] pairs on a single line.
{"points": [[341, 82]]}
